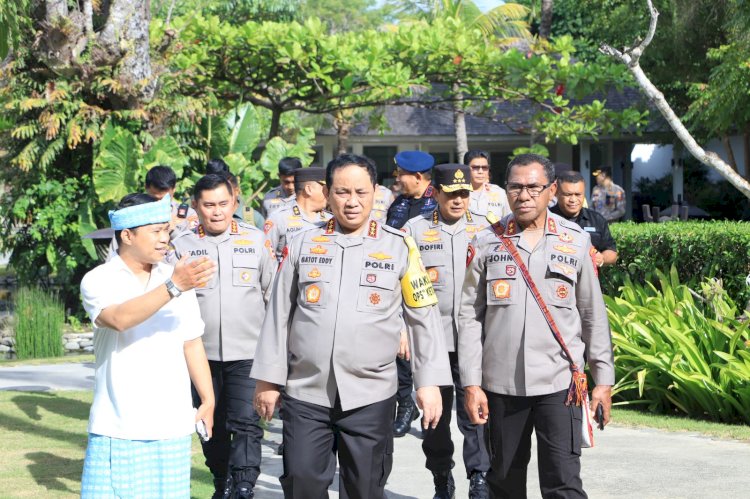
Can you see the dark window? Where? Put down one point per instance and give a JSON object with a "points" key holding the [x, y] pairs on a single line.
{"points": [[383, 157], [441, 157]]}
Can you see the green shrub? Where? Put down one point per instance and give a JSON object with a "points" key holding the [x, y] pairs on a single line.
{"points": [[39, 322], [679, 350], [698, 250]]}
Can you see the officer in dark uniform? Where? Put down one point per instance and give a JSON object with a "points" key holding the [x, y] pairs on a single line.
{"points": [[443, 238], [413, 174], [233, 307], [570, 197]]}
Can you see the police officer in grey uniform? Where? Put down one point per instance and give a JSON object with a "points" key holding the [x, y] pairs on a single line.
{"points": [[331, 335], [308, 209], [512, 367], [443, 237], [282, 195], [233, 307], [487, 199]]}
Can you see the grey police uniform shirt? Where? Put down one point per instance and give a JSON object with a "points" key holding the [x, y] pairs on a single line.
{"points": [[284, 223], [233, 303], [383, 200], [443, 248], [335, 316], [504, 342], [489, 199], [275, 200]]}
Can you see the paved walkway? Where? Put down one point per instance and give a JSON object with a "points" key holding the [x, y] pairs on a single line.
{"points": [[626, 463]]}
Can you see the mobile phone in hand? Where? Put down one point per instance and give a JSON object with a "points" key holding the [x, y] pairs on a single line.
{"points": [[600, 416], [200, 429]]}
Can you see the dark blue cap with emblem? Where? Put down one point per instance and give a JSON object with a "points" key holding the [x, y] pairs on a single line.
{"points": [[414, 161]]}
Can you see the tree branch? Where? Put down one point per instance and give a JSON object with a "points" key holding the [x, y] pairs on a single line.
{"points": [[88, 18], [630, 57]]}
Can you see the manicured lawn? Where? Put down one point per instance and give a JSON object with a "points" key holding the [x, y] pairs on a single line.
{"points": [[635, 418], [44, 442]]}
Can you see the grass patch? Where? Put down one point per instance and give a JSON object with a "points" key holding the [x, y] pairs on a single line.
{"points": [[639, 419], [69, 359], [44, 443]]}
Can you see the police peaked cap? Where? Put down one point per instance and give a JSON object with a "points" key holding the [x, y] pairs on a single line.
{"points": [[414, 161], [310, 174], [452, 177]]}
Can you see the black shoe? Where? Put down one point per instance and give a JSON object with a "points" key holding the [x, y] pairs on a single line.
{"points": [[244, 490], [280, 449], [226, 490], [406, 413], [478, 488], [445, 487], [219, 486]]}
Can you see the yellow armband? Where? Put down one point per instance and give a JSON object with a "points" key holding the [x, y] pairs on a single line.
{"points": [[416, 286]]}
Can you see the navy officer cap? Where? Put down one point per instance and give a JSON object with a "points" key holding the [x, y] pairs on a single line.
{"points": [[414, 161]]}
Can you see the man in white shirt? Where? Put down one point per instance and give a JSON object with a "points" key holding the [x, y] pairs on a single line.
{"points": [[147, 341]]}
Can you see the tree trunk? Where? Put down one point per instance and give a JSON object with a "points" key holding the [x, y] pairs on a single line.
{"points": [[746, 151], [630, 57], [275, 123], [545, 22], [459, 124], [730, 152], [343, 128]]}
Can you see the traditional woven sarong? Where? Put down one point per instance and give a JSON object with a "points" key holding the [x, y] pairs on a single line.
{"points": [[144, 469]]}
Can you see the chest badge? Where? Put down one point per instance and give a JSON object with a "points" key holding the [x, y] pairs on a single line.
{"points": [[321, 239], [371, 278], [245, 276], [318, 250], [564, 248], [510, 270], [380, 256], [501, 289], [565, 237], [562, 291], [433, 274], [375, 298], [565, 269], [312, 294], [314, 273]]}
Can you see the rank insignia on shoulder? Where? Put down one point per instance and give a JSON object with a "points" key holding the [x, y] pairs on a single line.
{"points": [[314, 273], [562, 291], [312, 294], [501, 289], [564, 249], [321, 239], [551, 226], [380, 256], [318, 250], [372, 230]]}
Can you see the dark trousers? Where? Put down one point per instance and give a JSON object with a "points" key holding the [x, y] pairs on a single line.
{"points": [[558, 436], [437, 444], [235, 445], [405, 380], [313, 435]]}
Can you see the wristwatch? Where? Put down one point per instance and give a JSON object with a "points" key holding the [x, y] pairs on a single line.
{"points": [[173, 291]]}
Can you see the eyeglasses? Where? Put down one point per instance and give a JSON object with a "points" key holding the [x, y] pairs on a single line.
{"points": [[534, 191], [484, 168]]}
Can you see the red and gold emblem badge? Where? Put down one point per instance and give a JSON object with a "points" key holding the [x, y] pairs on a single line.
{"points": [[501, 289], [433, 274], [470, 252], [562, 291], [267, 226], [371, 278], [374, 298], [565, 237], [312, 294], [245, 276], [551, 226], [510, 270]]}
